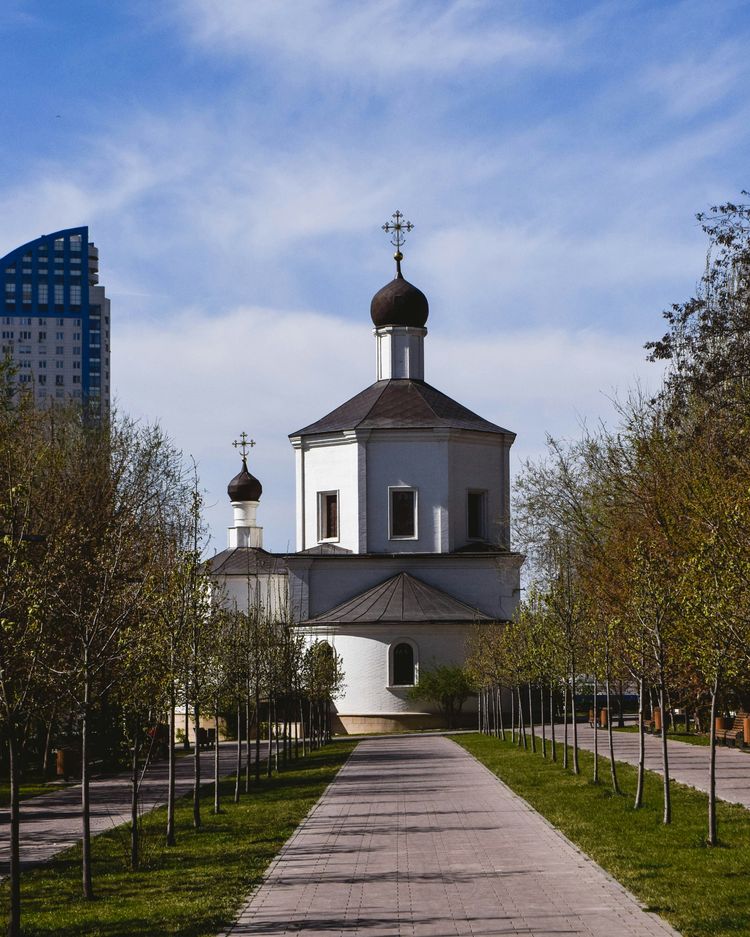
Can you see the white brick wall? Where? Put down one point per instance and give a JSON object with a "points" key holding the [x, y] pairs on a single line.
{"points": [[364, 651]]}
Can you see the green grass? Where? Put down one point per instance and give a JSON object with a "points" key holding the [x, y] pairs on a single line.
{"points": [[193, 889], [692, 738], [700, 890], [30, 787]]}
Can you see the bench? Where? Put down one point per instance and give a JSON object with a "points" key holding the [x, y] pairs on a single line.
{"points": [[733, 734], [206, 738]]}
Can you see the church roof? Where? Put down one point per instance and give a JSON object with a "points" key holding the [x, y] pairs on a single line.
{"points": [[403, 598], [400, 404], [399, 303], [244, 487], [242, 561]]}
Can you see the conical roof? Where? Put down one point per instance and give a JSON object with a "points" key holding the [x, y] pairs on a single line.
{"points": [[401, 403], [404, 598]]}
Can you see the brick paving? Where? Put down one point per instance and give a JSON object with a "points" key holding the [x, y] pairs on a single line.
{"points": [[415, 837], [688, 763], [52, 822]]}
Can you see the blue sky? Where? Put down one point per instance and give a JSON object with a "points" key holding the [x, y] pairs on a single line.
{"points": [[235, 160]]}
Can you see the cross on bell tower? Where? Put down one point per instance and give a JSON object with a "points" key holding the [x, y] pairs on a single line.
{"points": [[396, 229], [244, 492], [243, 443]]}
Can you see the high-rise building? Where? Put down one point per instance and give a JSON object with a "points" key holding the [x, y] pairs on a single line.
{"points": [[56, 320]]}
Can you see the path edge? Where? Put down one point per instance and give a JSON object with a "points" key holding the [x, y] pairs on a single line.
{"points": [[585, 856]]}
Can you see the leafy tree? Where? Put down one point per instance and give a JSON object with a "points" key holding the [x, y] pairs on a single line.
{"points": [[447, 686]]}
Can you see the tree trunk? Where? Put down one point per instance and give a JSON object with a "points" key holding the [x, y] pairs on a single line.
{"points": [[248, 759], [238, 776], [14, 911], [186, 741], [197, 771], [499, 695], [541, 719], [257, 731], [664, 753], [553, 740], [531, 720], [610, 735], [576, 765], [596, 732], [134, 857], [521, 721], [48, 745], [712, 838], [88, 886], [565, 723], [217, 805], [513, 715], [269, 761], [171, 767], [641, 747], [276, 738], [302, 727]]}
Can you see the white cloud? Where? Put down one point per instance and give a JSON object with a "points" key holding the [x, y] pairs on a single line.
{"points": [[391, 38], [271, 371], [693, 82]]}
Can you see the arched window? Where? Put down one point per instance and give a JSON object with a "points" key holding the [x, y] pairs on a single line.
{"points": [[403, 665]]}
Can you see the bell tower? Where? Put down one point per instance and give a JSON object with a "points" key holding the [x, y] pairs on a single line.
{"points": [[244, 492]]}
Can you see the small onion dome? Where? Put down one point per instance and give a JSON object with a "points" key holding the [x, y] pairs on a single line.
{"points": [[244, 487], [399, 303]]}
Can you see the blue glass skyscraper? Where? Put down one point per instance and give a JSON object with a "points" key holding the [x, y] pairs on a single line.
{"points": [[56, 319]]}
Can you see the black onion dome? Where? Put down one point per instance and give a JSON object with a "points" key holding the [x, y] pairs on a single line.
{"points": [[399, 303], [244, 487]]}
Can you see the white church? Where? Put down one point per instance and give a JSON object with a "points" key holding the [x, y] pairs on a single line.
{"points": [[403, 527]]}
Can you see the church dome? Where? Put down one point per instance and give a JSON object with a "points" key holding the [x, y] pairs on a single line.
{"points": [[399, 303], [244, 487]]}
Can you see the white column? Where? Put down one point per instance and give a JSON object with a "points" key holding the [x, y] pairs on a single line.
{"points": [[400, 352], [299, 461], [245, 532]]}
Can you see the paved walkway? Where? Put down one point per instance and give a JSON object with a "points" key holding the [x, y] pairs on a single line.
{"points": [[52, 822], [415, 837], [688, 763]]}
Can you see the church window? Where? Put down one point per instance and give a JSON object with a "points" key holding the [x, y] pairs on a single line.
{"points": [[476, 502], [403, 671], [403, 513], [328, 515]]}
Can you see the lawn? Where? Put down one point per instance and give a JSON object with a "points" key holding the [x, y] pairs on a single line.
{"points": [[30, 787], [193, 889], [700, 890]]}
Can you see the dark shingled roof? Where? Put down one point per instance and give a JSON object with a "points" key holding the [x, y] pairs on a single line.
{"points": [[243, 560], [401, 599], [244, 487], [399, 303], [400, 404]]}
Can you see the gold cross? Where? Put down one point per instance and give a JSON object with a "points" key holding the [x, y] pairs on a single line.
{"points": [[397, 226], [244, 444]]}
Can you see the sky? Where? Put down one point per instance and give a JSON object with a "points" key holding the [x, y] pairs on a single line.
{"points": [[235, 160]]}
